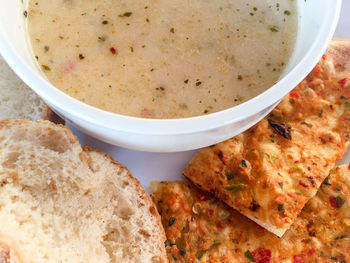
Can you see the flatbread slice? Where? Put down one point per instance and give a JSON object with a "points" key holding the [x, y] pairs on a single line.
{"points": [[269, 172], [200, 228]]}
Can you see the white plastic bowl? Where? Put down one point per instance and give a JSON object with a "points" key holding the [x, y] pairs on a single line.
{"points": [[317, 22]]}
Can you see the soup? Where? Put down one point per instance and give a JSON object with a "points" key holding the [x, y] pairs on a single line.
{"points": [[161, 58]]}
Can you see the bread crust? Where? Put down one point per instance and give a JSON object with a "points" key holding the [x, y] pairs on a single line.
{"points": [[11, 123], [53, 116], [144, 196]]}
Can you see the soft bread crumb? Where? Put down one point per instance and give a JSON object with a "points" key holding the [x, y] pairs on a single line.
{"points": [[18, 101], [59, 203]]}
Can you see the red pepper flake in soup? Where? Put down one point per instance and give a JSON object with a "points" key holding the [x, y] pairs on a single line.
{"points": [[146, 113], [113, 50], [68, 66]]}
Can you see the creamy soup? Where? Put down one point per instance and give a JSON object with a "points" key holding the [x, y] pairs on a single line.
{"points": [[162, 58]]}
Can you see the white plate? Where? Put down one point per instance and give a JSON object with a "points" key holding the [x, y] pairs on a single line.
{"points": [[168, 166]]}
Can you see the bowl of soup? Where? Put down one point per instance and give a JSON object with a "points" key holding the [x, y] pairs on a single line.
{"points": [[164, 76]]}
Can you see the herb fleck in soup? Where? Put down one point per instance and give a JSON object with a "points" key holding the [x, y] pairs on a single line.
{"points": [[161, 58]]}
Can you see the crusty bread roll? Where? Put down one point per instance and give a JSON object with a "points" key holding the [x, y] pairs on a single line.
{"points": [[62, 203], [18, 101]]}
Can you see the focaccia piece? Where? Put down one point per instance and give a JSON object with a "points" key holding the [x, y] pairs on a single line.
{"points": [[200, 228], [269, 172]]}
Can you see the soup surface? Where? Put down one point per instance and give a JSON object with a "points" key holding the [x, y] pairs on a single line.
{"points": [[161, 58]]}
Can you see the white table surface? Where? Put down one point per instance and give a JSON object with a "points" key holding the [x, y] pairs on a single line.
{"points": [[148, 167]]}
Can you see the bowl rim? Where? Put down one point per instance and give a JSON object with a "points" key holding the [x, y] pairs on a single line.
{"points": [[136, 125]]}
